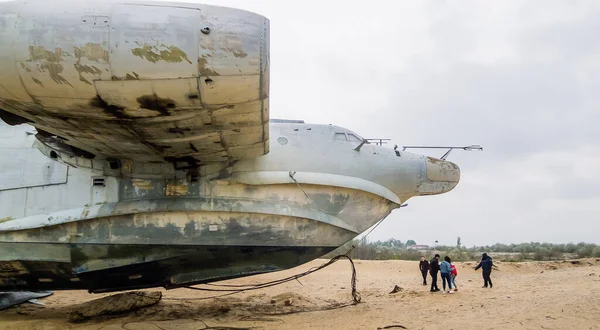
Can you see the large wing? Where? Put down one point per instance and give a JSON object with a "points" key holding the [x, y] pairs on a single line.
{"points": [[159, 82]]}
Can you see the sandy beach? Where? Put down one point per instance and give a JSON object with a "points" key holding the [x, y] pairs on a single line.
{"points": [[529, 295]]}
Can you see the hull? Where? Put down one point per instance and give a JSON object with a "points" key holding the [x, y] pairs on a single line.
{"points": [[183, 240], [168, 266]]}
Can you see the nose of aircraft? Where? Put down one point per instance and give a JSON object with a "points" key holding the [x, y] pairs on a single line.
{"points": [[441, 177]]}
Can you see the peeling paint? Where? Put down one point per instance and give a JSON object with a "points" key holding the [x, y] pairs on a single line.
{"points": [[135, 76], [81, 69], [25, 67], [235, 46], [142, 184], [55, 69], [87, 69], [39, 53], [433, 160], [177, 189], [203, 70], [50, 62], [37, 81], [171, 54], [91, 51]]}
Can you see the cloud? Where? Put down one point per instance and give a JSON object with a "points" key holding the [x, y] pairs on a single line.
{"points": [[520, 78]]}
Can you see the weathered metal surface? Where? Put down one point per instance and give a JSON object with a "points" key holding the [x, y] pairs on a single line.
{"points": [[281, 177], [25, 167], [154, 42], [181, 265], [138, 81], [442, 177], [168, 229], [160, 170]]}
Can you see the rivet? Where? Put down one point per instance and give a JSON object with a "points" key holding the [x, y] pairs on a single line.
{"points": [[205, 30]]}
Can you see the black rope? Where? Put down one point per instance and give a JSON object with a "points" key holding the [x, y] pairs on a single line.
{"points": [[249, 287]]}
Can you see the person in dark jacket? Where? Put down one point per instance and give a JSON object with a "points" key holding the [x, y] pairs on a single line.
{"points": [[424, 267], [486, 264], [434, 268]]}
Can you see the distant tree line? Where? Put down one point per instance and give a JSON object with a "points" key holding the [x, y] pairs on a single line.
{"points": [[396, 249]]}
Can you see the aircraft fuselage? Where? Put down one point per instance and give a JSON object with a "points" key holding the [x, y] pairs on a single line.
{"points": [[153, 161]]}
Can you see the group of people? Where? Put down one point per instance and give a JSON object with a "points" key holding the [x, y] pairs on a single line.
{"points": [[448, 272]]}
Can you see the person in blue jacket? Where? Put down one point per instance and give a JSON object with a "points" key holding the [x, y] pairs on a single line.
{"points": [[486, 264], [445, 272]]}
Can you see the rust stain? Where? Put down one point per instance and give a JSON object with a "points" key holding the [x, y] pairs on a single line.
{"points": [[142, 184], [153, 54], [204, 71]]}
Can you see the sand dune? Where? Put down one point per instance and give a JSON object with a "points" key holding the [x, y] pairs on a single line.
{"points": [[530, 295]]}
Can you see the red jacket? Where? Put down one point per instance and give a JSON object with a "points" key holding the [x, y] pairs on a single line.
{"points": [[453, 270]]}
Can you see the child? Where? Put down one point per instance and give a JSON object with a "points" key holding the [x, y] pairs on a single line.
{"points": [[453, 274]]}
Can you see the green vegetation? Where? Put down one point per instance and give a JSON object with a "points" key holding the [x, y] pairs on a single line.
{"points": [[396, 249]]}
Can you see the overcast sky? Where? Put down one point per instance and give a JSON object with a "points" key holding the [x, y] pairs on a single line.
{"points": [[521, 78]]}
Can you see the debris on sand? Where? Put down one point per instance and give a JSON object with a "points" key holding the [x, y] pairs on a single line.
{"points": [[115, 304], [396, 289], [394, 326], [288, 298]]}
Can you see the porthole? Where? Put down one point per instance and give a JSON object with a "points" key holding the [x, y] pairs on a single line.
{"points": [[281, 140]]}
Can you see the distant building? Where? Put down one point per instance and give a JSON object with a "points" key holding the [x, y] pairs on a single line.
{"points": [[418, 247]]}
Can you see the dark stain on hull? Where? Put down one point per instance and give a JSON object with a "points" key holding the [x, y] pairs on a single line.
{"points": [[332, 204], [168, 266], [177, 130], [153, 102], [114, 110], [183, 163]]}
